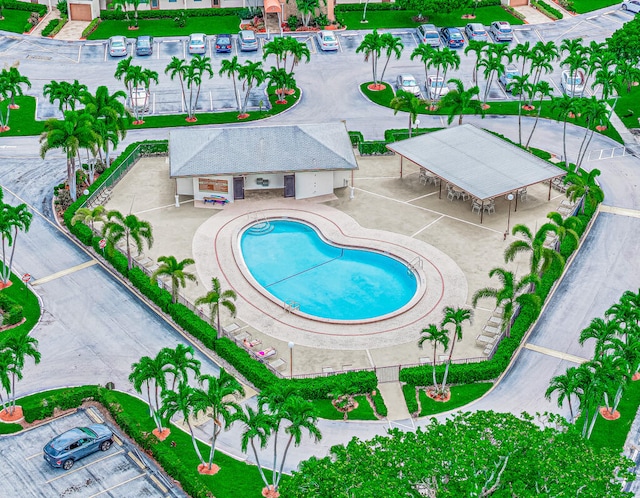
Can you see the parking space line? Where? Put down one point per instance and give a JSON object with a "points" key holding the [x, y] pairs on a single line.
{"points": [[136, 460], [77, 469], [117, 440], [118, 485], [554, 353], [63, 273], [159, 485], [93, 415]]}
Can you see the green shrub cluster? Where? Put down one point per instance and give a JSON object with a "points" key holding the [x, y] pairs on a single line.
{"points": [[354, 7], [93, 25], [373, 148], [39, 408], [378, 402], [119, 15], [51, 25], [12, 312], [356, 137], [40, 9], [547, 9], [397, 135]]}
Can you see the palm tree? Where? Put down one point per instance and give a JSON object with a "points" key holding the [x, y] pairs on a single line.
{"points": [[460, 100], [455, 317], [173, 269], [583, 184], [183, 401], [509, 294], [89, 216], [576, 59], [595, 113], [565, 228], [215, 298], [566, 386], [589, 392], [542, 55], [543, 89], [628, 74], [147, 372], [67, 94], [147, 76], [13, 219], [444, 60], [178, 362], [523, 52], [12, 82], [257, 425], [178, 67], [301, 414], [492, 65], [541, 256], [392, 46], [231, 68], [276, 47], [251, 74], [436, 336], [519, 85], [128, 228], [405, 101], [198, 67], [297, 50], [479, 48], [217, 400], [426, 54], [6, 369], [281, 80], [74, 132], [372, 45], [602, 331], [21, 345], [111, 118], [565, 107]]}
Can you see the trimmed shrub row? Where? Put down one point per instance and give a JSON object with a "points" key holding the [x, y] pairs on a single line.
{"points": [[373, 148], [41, 9], [51, 25], [356, 137], [547, 9], [93, 25], [119, 15]]}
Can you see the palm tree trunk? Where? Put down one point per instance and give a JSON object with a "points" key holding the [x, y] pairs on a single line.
{"points": [[446, 369], [564, 144], [435, 380], [194, 441], [255, 453], [284, 457], [5, 268], [534, 124]]}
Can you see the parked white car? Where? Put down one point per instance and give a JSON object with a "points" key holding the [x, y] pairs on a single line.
{"points": [[436, 87], [139, 99], [408, 83], [572, 84], [631, 5]]}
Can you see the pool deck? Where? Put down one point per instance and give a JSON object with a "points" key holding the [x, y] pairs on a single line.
{"points": [[388, 213]]}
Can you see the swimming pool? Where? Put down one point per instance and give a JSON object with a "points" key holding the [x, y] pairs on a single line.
{"points": [[295, 264]]}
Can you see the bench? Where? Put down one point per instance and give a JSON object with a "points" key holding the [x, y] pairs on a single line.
{"points": [[213, 199]]}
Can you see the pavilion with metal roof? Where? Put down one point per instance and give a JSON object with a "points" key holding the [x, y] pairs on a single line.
{"points": [[476, 161]]}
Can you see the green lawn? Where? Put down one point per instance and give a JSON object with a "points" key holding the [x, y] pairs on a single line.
{"points": [[167, 27], [460, 396], [613, 433], [14, 20], [628, 107], [325, 409], [387, 19], [22, 121], [30, 305], [582, 6]]}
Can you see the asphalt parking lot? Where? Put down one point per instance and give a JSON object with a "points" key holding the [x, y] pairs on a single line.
{"points": [[119, 472]]}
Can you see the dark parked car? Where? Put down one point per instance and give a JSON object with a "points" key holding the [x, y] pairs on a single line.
{"points": [[65, 449], [144, 45], [223, 44], [452, 37]]}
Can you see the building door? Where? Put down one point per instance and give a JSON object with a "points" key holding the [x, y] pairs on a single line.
{"points": [[80, 12], [238, 187], [155, 4], [289, 185]]}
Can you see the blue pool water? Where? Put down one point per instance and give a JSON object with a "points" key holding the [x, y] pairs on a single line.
{"points": [[293, 263]]}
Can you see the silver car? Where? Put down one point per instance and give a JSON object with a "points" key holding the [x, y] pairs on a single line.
{"points": [[428, 34], [506, 78], [572, 83], [631, 5], [198, 43], [248, 40], [327, 40], [117, 46], [408, 83]]}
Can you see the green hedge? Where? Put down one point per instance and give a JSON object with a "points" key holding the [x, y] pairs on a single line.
{"points": [[12, 312], [403, 134], [371, 148], [51, 25], [547, 9], [378, 402], [93, 25], [356, 137], [118, 15], [40, 9]]}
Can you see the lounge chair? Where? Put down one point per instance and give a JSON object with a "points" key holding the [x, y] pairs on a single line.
{"points": [[251, 342], [266, 353]]}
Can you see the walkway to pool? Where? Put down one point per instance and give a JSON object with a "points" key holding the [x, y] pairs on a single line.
{"points": [[400, 215]]}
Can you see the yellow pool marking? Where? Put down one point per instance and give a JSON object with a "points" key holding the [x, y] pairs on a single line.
{"points": [[62, 273], [556, 354]]}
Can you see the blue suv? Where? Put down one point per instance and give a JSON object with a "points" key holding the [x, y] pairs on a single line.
{"points": [[452, 37]]}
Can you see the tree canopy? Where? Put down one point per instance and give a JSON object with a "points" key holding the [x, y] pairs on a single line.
{"points": [[470, 454]]}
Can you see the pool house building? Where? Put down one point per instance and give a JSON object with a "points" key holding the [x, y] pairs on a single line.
{"points": [[229, 164]]}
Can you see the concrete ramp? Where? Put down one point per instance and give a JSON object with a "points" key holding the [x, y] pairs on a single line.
{"points": [[391, 392]]}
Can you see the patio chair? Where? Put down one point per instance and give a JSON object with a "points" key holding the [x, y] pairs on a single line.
{"points": [[476, 206], [451, 194], [266, 353]]}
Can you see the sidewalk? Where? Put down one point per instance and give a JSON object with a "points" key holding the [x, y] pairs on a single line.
{"points": [[51, 15]]}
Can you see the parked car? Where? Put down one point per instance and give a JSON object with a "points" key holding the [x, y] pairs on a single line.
{"points": [[327, 40], [452, 37], [139, 99], [572, 84], [631, 5], [117, 46], [248, 40], [506, 78], [475, 31], [436, 87], [428, 34], [144, 45], [501, 31], [197, 43], [408, 83], [223, 44], [64, 450]]}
